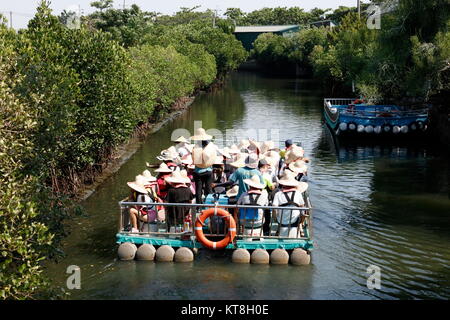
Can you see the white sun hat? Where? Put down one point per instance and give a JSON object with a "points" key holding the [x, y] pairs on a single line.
{"points": [[255, 182], [224, 152], [163, 168], [251, 161], [233, 192], [243, 144], [147, 175], [177, 177], [200, 134], [298, 166], [240, 161], [234, 149], [139, 184], [181, 139], [267, 146], [294, 154]]}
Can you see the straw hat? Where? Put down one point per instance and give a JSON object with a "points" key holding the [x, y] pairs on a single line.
{"points": [[294, 154], [200, 134], [168, 154], [254, 145], [138, 184], [255, 182], [234, 149], [224, 152], [272, 158], [187, 161], [181, 139], [251, 161], [163, 168], [219, 160], [233, 192], [267, 146], [147, 175], [243, 144], [298, 166], [288, 179], [240, 162], [184, 174], [177, 177]]}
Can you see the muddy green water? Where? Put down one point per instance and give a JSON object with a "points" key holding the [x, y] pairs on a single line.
{"points": [[383, 205]]}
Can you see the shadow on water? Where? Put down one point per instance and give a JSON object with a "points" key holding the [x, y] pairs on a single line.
{"points": [[374, 204]]}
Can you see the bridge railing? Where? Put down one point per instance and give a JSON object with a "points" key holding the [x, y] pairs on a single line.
{"points": [[266, 224]]}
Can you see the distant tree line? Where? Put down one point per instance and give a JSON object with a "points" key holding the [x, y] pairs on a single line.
{"points": [[407, 59]]}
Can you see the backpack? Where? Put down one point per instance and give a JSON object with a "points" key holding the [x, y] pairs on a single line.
{"points": [[290, 203]]}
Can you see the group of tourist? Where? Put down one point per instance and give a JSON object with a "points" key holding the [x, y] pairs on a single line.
{"points": [[249, 173]]}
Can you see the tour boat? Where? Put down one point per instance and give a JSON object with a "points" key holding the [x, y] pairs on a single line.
{"points": [[161, 242], [347, 116]]}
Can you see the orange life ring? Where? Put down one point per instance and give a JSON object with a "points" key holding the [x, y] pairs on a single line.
{"points": [[231, 224]]}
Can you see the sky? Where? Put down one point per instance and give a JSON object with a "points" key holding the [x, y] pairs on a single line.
{"points": [[23, 10]]}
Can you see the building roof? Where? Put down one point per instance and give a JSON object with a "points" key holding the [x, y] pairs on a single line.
{"points": [[323, 22], [244, 29]]}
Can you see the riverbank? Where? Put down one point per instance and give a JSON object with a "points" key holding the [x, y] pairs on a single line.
{"points": [[124, 151]]}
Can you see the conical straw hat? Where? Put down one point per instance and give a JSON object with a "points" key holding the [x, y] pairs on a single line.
{"points": [[200, 134], [234, 149], [298, 166], [254, 145], [181, 139], [243, 144], [255, 182], [147, 175], [240, 161], [219, 160], [288, 179], [294, 154], [267, 146], [163, 168], [177, 177], [233, 191], [138, 184], [224, 152]]}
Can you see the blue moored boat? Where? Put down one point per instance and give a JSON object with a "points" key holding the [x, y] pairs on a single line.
{"points": [[352, 116]]}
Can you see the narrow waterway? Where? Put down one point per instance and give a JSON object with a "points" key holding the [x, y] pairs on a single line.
{"points": [[382, 205]]}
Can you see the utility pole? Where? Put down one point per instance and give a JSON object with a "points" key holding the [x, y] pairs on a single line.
{"points": [[359, 8], [10, 19], [123, 4]]}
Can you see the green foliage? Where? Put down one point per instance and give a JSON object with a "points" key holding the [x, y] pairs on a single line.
{"points": [[127, 26], [25, 238], [226, 49], [408, 57]]}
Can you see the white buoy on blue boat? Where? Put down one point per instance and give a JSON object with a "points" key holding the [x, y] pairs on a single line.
{"points": [[146, 252], [413, 126], [387, 128], [241, 256], [260, 256], [377, 129], [279, 256], [352, 126], [368, 129], [360, 128], [404, 129], [300, 257], [126, 251], [184, 254], [343, 126], [396, 129], [165, 253]]}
